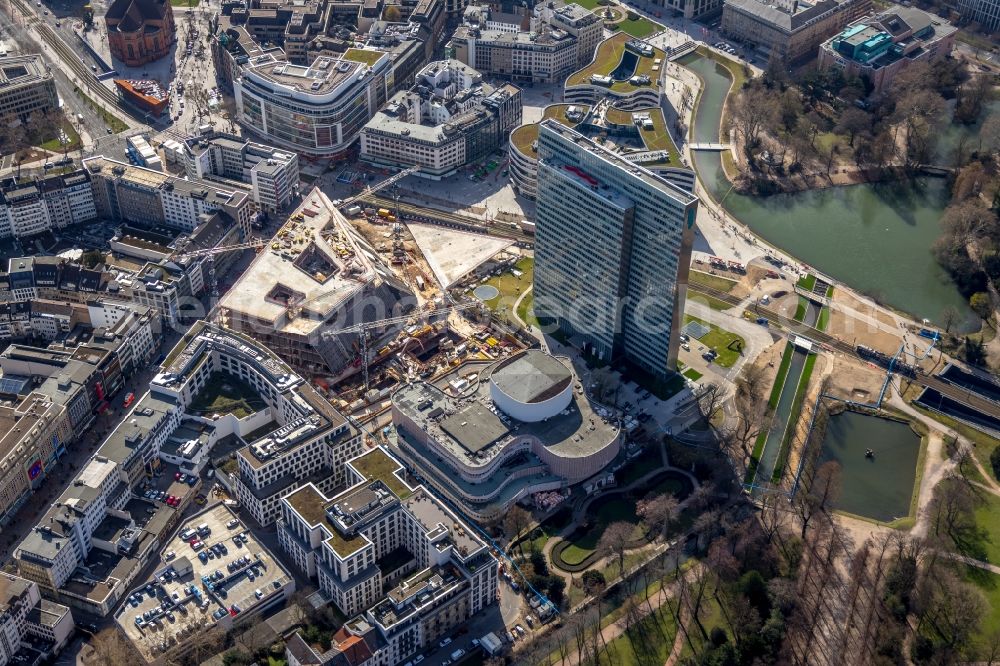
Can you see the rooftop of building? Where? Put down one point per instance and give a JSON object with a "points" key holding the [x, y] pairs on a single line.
{"points": [[906, 29], [11, 588], [531, 376], [525, 137], [643, 175], [608, 58], [787, 15], [473, 430], [321, 77], [270, 577], [152, 179], [20, 69], [314, 264]]}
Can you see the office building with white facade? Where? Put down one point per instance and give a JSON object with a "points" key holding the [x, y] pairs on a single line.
{"points": [[30, 627], [273, 174], [390, 552], [310, 440], [612, 251], [316, 111]]}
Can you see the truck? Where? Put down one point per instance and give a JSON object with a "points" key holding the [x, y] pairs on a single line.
{"points": [[384, 213], [492, 644]]}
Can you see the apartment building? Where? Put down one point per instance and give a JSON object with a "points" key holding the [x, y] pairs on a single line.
{"points": [[561, 38], [390, 553], [447, 120], [297, 303], [25, 615], [309, 441], [273, 174], [619, 281], [26, 87], [51, 278], [878, 47], [29, 207], [125, 191], [94, 541], [789, 30]]}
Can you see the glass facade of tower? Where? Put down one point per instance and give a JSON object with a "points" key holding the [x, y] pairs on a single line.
{"points": [[612, 251]]}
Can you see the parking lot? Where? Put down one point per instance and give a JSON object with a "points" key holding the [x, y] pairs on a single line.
{"points": [[220, 573]]}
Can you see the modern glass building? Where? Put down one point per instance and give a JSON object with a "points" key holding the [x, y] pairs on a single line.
{"points": [[612, 251]]}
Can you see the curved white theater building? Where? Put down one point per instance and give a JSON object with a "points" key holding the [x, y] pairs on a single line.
{"points": [[489, 436], [317, 111]]}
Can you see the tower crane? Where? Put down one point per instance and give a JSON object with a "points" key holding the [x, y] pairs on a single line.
{"points": [[372, 189], [363, 328]]}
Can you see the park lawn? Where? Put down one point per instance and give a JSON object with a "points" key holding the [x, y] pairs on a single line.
{"points": [[51, 143], [184, 3], [611, 511], [639, 27], [511, 286], [525, 311], [989, 584], [712, 281], [982, 444], [647, 642], [807, 282], [711, 617], [692, 374], [659, 138], [793, 418], [824, 319], [986, 544], [727, 345], [589, 4], [800, 309], [225, 394]]}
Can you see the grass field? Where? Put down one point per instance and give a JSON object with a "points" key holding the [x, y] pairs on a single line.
{"points": [[510, 286], [982, 444], [692, 374], [989, 584], [807, 282], [772, 401], [800, 309], [709, 280], [727, 345], [648, 642], [52, 143], [111, 119], [525, 312], [639, 27], [793, 418], [611, 511], [226, 394], [824, 319], [710, 301]]}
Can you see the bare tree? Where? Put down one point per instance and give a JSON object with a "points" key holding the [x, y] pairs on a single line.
{"points": [[658, 512], [753, 111], [110, 647], [818, 498], [614, 543], [516, 521]]}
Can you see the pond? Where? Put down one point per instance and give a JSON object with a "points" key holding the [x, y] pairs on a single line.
{"points": [[879, 487], [845, 232]]}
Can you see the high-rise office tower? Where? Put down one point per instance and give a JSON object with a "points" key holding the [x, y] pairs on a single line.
{"points": [[612, 251]]}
